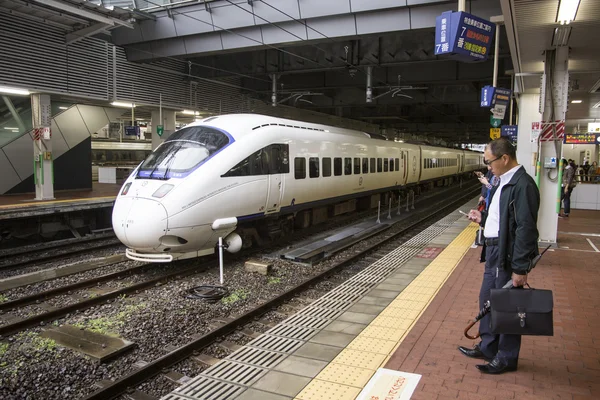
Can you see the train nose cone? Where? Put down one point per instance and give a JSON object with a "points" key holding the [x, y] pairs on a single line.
{"points": [[139, 223]]}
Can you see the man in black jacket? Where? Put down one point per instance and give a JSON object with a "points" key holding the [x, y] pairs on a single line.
{"points": [[510, 229]]}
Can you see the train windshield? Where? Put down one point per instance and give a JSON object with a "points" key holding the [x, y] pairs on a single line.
{"points": [[182, 152]]}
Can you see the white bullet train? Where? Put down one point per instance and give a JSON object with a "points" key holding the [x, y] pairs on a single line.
{"points": [[244, 176]]}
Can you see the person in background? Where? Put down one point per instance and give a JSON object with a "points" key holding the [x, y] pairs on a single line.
{"points": [[595, 172], [568, 184], [586, 172], [511, 243]]}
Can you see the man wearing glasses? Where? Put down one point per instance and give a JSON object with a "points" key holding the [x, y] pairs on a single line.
{"points": [[511, 242]]}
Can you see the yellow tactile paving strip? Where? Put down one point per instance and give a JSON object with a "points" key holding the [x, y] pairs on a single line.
{"points": [[40, 203], [349, 372]]}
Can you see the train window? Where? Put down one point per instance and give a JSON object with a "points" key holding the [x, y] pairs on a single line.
{"points": [[365, 165], [209, 138], [391, 164], [357, 166], [337, 166], [397, 164], [372, 165], [347, 166], [272, 159], [385, 164], [313, 167], [326, 166], [379, 165], [299, 167]]}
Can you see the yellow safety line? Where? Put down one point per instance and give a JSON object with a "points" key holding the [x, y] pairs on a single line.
{"points": [[32, 204], [349, 372]]}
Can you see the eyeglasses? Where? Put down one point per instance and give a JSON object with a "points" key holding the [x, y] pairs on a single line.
{"points": [[486, 162]]}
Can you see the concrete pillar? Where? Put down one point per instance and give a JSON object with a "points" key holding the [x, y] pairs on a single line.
{"points": [[43, 164], [556, 68]]}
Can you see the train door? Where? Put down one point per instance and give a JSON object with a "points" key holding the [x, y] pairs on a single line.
{"points": [[279, 165], [275, 193], [404, 167], [460, 159]]}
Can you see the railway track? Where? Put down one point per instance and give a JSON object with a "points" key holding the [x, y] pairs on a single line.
{"points": [[135, 378], [29, 258]]}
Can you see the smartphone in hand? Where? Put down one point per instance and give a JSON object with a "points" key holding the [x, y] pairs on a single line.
{"points": [[479, 174]]}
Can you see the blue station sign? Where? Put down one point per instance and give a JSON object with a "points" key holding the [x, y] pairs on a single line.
{"points": [[463, 36], [511, 132]]}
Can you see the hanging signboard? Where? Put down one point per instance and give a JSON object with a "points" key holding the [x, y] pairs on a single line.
{"points": [[582, 138], [487, 94], [132, 130], [463, 36], [510, 132], [494, 133]]}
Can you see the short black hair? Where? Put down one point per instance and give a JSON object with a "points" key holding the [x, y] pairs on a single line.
{"points": [[499, 147]]}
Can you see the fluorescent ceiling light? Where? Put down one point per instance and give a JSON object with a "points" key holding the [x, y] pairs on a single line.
{"points": [[597, 105], [576, 101], [567, 9], [190, 112], [11, 129], [63, 108], [122, 104], [11, 90]]}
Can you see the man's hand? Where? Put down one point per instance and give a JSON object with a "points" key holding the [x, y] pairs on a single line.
{"points": [[519, 280], [474, 216], [481, 198], [566, 189]]}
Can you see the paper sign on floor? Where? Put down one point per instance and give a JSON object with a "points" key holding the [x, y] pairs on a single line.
{"points": [[388, 384]]}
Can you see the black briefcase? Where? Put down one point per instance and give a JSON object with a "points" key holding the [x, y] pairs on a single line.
{"points": [[521, 312]]}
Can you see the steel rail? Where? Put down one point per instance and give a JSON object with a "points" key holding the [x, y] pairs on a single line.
{"points": [[59, 312], [22, 301], [49, 257]]}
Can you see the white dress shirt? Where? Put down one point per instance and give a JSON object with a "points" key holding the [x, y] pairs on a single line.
{"points": [[492, 223]]}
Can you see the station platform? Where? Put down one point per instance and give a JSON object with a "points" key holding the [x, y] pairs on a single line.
{"points": [[19, 206], [407, 312]]}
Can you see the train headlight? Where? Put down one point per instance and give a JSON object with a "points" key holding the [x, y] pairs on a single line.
{"points": [[125, 189], [163, 190]]}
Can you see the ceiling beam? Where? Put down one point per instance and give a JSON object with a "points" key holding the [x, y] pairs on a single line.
{"points": [[84, 13], [85, 32]]}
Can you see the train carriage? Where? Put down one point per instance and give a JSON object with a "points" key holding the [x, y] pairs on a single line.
{"points": [[218, 177]]}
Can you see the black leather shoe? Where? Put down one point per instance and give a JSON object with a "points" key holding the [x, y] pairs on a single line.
{"points": [[496, 367], [475, 352]]}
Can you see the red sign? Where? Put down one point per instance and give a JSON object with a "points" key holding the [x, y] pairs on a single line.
{"points": [[429, 252], [548, 129]]}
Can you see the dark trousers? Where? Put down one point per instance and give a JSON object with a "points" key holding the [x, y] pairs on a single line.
{"points": [[504, 347], [566, 198]]}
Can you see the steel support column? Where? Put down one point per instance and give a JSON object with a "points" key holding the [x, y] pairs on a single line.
{"points": [[43, 163]]}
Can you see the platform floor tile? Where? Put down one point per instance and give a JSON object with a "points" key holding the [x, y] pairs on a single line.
{"points": [[323, 390], [318, 351], [301, 366], [281, 383], [332, 338], [362, 359], [356, 317], [345, 327], [252, 394], [346, 375]]}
